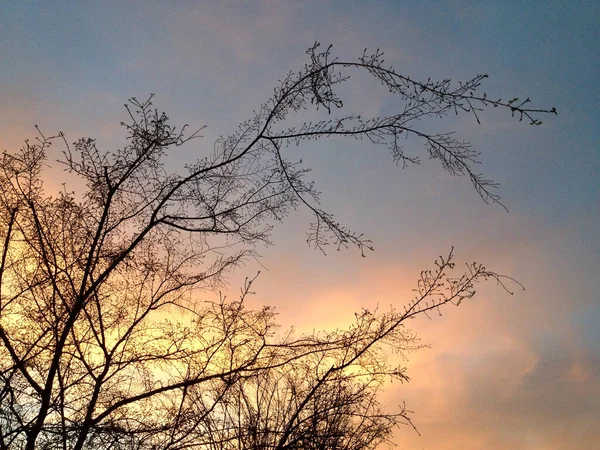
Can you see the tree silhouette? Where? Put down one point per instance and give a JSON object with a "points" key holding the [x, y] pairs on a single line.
{"points": [[105, 341]]}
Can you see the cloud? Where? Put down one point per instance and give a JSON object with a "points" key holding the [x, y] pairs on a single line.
{"points": [[503, 371]]}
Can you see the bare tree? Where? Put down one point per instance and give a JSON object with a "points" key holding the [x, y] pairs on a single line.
{"points": [[105, 342]]}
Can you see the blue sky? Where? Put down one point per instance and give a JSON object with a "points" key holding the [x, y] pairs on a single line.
{"points": [[521, 371]]}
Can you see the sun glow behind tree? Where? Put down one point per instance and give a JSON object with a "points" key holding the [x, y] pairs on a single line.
{"points": [[91, 362]]}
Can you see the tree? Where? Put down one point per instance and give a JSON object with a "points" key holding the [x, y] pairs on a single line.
{"points": [[105, 341]]}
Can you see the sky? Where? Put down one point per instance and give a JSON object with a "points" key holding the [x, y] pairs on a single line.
{"points": [[502, 371]]}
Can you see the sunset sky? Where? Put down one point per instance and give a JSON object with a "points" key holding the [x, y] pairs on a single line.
{"points": [[518, 372]]}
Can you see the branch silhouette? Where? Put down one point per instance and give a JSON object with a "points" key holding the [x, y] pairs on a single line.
{"points": [[107, 340]]}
